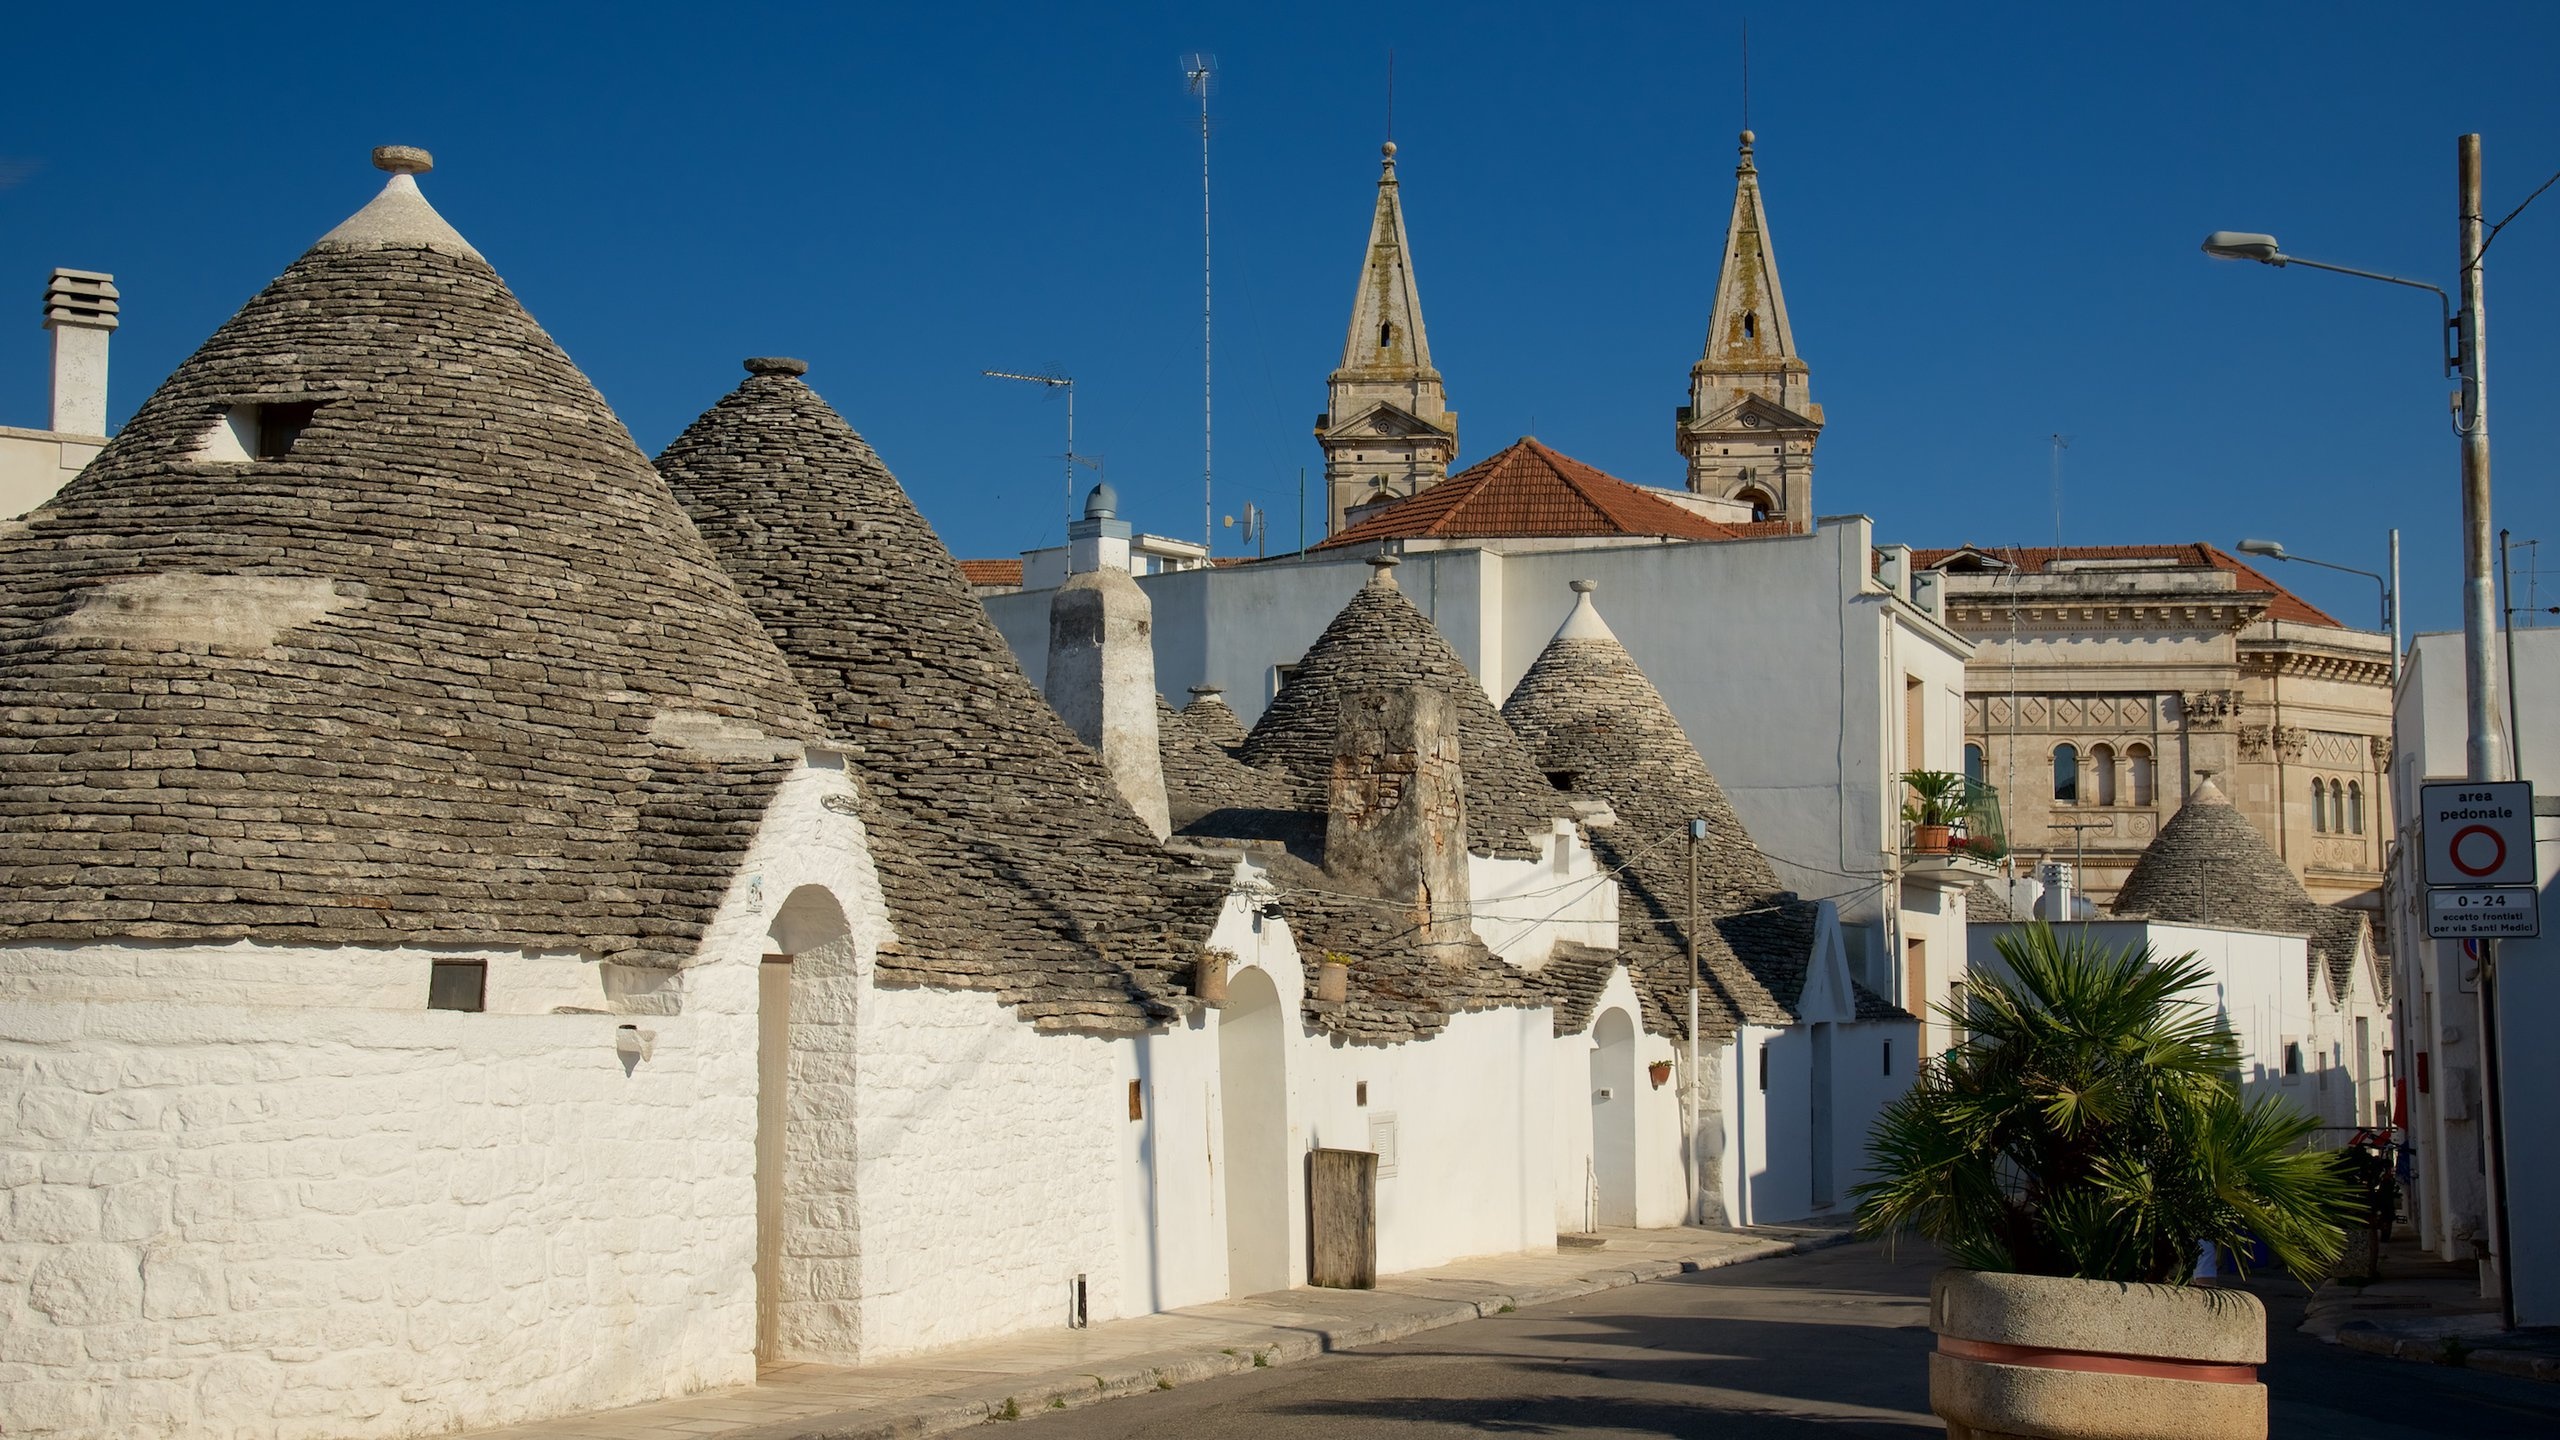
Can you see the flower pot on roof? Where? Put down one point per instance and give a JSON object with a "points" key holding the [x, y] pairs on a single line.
{"points": [[1333, 978], [2075, 1155], [1209, 977]]}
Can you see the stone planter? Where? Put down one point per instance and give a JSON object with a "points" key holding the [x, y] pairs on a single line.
{"points": [[2041, 1358]]}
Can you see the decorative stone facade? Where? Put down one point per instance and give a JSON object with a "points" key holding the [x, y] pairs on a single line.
{"points": [[2157, 665]]}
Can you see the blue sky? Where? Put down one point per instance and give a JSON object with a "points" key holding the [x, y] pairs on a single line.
{"points": [[1986, 218]]}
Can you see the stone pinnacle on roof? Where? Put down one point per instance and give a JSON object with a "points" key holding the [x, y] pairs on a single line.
{"points": [[1008, 860], [399, 217], [1380, 638], [450, 647]]}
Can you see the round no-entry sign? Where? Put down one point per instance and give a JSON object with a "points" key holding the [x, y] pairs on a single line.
{"points": [[2479, 833]]}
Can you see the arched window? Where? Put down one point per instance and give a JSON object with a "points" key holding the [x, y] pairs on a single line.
{"points": [[2337, 807], [1974, 767], [1762, 507], [2066, 775], [2355, 807], [2137, 761], [2102, 774], [2319, 806]]}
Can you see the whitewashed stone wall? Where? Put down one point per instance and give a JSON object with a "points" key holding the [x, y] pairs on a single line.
{"points": [[1661, 1150], [1521, 909], [266, 1193]]}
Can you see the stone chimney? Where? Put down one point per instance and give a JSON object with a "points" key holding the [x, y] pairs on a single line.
{"points": [[1102, 661], [80, 310], [1396, 812]]}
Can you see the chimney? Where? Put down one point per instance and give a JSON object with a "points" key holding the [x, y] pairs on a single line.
{"points": [[1102, 663], [80, 310], [1099, 541], [1396, 812]]}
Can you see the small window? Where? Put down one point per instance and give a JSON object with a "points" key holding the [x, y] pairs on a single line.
{"points": [[2337, 807], [1764, 1067], [2137, 764], [1750, 325], [279, 426], [1974, 766], [1280, 677], [458, 985], [1386, 334], [1360, 1092], [1888, 1055], [2066, 775], [2355, 807], [2292, 1059], [2319, 806]]}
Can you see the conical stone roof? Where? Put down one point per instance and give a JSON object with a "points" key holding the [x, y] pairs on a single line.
{"points": [[453, 668], [1380, 638], [1009, 861], [1586, 709], [2210, 866]]}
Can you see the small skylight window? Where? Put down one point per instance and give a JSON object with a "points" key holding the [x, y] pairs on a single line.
{"points": [[257, 431]]}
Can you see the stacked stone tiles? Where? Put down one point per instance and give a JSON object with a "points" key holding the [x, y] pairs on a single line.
{"points": [[1009, 861], [1380, 638], [1984, 905], [1211, 720], [2210, 866], [1586, 709], [1207, 787], [454, 670]]}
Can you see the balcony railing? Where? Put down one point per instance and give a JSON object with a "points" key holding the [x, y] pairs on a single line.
{"points": [[1962, 823]]}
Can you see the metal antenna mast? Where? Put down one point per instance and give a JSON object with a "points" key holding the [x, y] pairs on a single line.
{"points": [[1054, 382], [2060, 444], [1196, 70]]}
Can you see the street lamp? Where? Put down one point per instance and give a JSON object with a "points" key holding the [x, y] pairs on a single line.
{"points": [[2274, 550], [2247, 245]]}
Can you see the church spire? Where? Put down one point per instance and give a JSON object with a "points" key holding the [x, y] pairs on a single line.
{"points": [[1387, 431], [1749, 428]]}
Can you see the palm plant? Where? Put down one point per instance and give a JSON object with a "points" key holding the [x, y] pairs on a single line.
{"points": [[2090, 1125]]}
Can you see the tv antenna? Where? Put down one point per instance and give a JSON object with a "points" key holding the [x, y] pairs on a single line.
{"points": [[2060, 444], [1197, 68], [1054, 382]]}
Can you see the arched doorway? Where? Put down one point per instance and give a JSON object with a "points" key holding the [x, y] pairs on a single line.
{"points": [[1253, 1112], [804, 1036], [1613, 1116]]}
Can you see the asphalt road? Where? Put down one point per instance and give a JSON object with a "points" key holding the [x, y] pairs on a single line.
{"points": [[1830, 1344]]}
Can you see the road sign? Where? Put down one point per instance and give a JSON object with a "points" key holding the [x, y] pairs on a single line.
{"points": [[2488, 912], [2479, 833]]}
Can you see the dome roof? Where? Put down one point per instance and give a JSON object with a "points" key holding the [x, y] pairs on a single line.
{"points": [[1380, 638], [1008, 858], [447, 665], [2210, 866]]}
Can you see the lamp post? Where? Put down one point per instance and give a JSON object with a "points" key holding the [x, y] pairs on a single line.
{"points": [[2274, 550], [2484, 754]]}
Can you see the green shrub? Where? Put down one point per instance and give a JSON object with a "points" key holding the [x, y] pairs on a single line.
{"points": [[2090, 1125]]}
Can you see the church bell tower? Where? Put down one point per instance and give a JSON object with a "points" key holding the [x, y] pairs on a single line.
{"points": [[1387, 431], [1749, 428]]}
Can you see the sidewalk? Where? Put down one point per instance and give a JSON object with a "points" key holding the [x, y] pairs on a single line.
{"points": [[2429, 1310], [947, 1390]]}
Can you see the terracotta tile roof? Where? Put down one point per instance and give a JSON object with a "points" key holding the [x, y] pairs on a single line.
{"points": [[2033, 560], [1530, 490], [991, 572]]}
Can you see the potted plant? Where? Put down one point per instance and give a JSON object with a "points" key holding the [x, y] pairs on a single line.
{"points": [[1936, 804], [2074, 1156], [1660, 1070], [1333, 978]]}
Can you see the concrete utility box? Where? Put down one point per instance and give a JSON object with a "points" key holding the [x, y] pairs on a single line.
{"points": [[1342, 1219]]}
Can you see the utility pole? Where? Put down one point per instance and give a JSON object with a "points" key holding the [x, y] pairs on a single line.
{"points": [[1196, 73], [1697, 1126], [2480, 676]]}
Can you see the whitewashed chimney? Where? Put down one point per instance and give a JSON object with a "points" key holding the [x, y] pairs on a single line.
{"points": [[80, 310], [1102, 661]]}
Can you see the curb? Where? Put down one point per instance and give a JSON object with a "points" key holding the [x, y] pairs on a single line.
{"points": [[1023, 1398], [2372, 1339]]}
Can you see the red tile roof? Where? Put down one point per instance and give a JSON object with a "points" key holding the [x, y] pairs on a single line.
{"points": [[992, 572], [2033, 559], [1530, 490]]}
